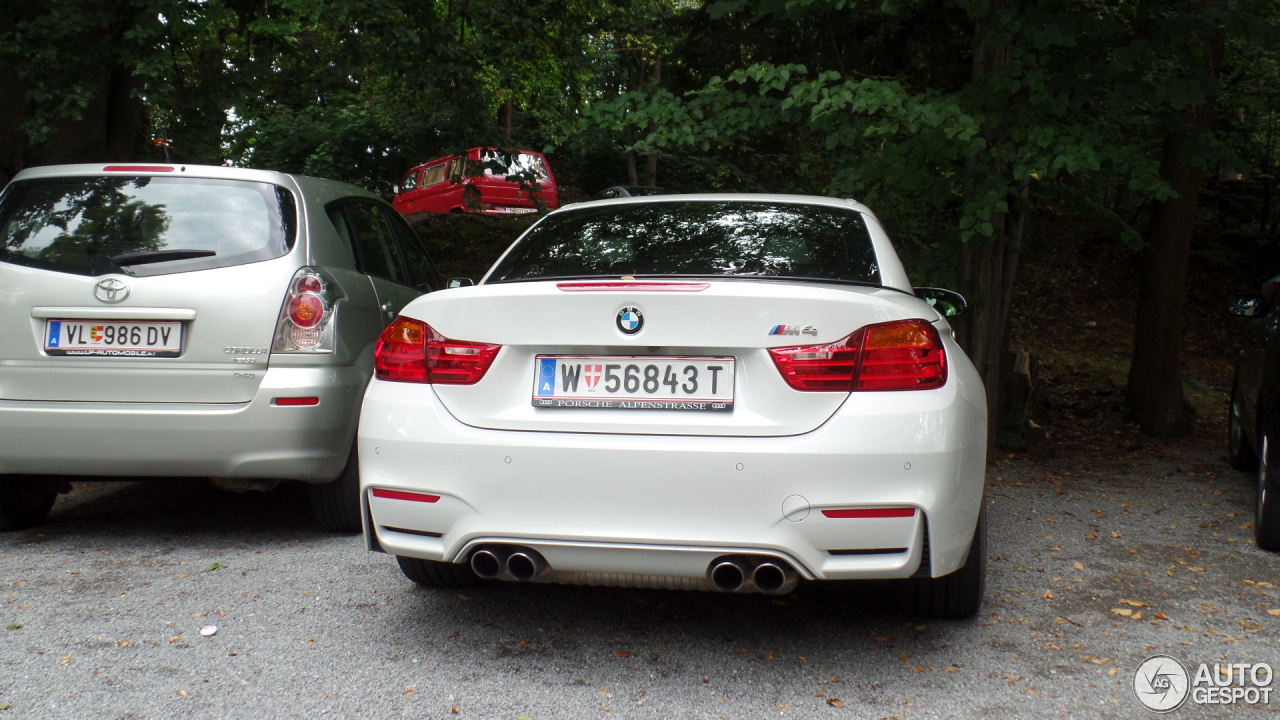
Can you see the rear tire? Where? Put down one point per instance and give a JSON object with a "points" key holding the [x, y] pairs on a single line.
{"points": [[25, 501], [958, 594], [1240, 452], [336, 505], [435, 574], [1266, 521]]}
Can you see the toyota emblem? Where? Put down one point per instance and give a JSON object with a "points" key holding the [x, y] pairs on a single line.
{"points": [[111, 290], [630, 320]]}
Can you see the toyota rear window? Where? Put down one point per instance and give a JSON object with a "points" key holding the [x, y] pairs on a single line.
{"points": [[143, 225], [756, 239]]}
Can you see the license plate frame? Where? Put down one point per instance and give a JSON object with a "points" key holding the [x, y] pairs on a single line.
{"points": [[113, 338], [685, 383]]}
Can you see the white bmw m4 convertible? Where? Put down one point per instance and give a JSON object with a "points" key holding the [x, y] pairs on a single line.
{"points": [[735, 393]]}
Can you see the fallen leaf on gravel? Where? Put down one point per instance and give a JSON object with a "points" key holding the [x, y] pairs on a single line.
{"points": [[1133, 603], [175, 638], [183, 693], [1048, 595], [1274, 612], [1265, 585], [1161, 616], [1136, 616], [1115, 534], [410, 691], [1196, 569], [835, 702], [1113, 671], [884, 638], [454, 710], [65, 659], [1126, 612], [1077, 565], [1051, 646], [623, 653]]}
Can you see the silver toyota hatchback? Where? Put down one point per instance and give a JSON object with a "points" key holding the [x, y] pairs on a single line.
{"points": [[188, 321]]}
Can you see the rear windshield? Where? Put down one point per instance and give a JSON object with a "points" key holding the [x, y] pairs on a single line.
{"points": [[143, 225], [696, 238]]}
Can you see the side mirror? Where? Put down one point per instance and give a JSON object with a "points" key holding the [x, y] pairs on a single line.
{"points": [[1245, 304], [460, 282], [948, 302]]}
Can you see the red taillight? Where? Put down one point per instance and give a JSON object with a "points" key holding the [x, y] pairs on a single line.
{"points": [[900, 355], [306, 310], [412, 351]]}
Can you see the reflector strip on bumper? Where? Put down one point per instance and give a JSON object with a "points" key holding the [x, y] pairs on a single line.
{"points": [[401, 495], [860, 513]]}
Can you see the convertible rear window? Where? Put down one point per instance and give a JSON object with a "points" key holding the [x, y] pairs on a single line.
{"points": [[696, 238], [143, 225]]}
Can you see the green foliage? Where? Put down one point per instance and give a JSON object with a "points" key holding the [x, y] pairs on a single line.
{"points": [[465, 245]]}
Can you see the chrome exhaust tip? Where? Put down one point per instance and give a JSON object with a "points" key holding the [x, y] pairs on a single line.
{"points": [[728, 576], [487, 564], [774, 578], [525, 565]]}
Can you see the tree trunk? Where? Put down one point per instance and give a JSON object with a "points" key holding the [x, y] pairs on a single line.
{"points": [[109, 127], [651, 160], [1155, 376], [988, 265]]}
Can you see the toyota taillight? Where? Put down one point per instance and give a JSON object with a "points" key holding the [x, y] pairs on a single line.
{"points": [[900, 355], [412, 351], [306, 320]]}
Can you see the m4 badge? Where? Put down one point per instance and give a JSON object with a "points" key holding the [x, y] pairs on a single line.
{"points": [[793, 330]]}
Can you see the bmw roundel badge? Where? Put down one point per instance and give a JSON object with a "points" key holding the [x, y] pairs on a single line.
{"points": [[630, 320]]}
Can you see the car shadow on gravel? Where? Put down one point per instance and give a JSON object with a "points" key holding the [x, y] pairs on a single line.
{"points": [[178, 506]]}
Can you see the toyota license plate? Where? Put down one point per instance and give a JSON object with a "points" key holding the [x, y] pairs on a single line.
{"points": [[633, 382], [113, 339]]}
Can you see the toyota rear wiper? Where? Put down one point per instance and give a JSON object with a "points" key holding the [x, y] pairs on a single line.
{"points": [[154, 256]]}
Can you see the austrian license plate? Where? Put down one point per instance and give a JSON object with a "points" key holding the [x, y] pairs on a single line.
{"points": [[113, 339], [633, 382]]}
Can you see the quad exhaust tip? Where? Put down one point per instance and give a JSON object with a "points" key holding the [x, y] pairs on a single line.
{"points": [[517, 563], [488, 564], [765, 575], [525, 565]]}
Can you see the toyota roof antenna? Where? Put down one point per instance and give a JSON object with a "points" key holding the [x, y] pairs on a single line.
{"points": [[168, 148]]}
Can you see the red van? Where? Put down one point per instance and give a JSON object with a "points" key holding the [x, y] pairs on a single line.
{"points": [[491, 177]]}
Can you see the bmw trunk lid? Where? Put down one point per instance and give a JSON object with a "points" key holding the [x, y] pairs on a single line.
{"points": [[694, 353]]}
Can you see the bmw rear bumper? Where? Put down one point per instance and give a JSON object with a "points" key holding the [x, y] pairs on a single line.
{"points": [[258, 439], [651, 505]]}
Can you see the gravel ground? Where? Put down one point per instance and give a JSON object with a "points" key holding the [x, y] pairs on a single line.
{"points": [[1091, 572]]}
